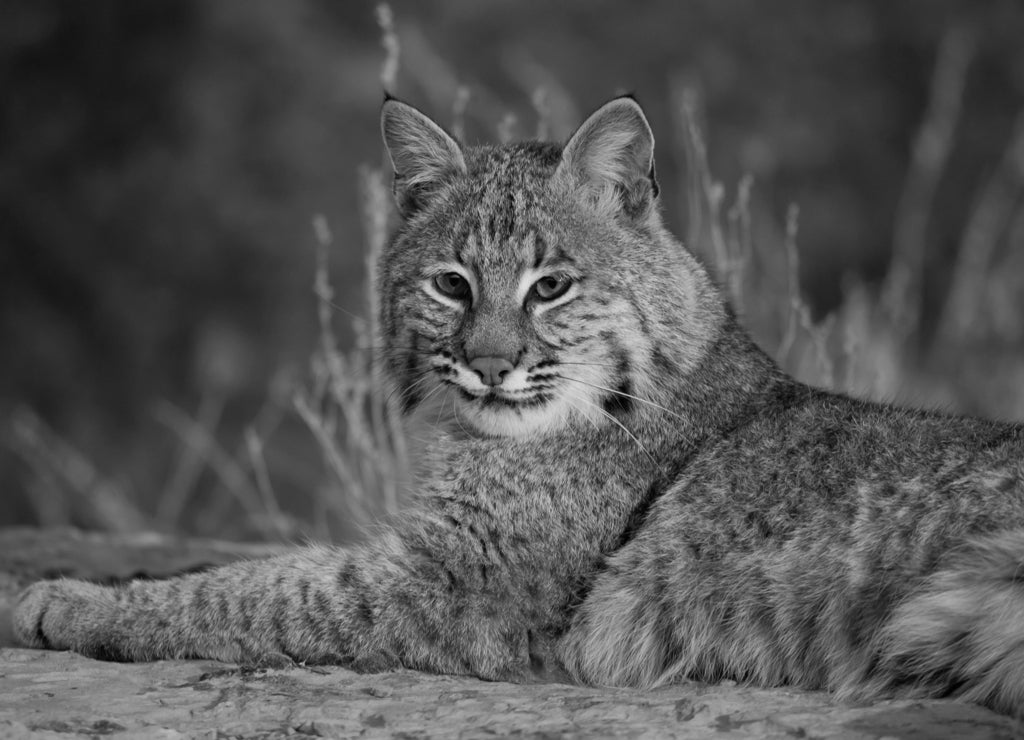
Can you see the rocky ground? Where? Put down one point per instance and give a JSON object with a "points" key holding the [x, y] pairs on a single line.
{"points": [[62, 695]]}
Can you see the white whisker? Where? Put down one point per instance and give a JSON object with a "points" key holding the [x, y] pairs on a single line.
{"points": [[620, 425], [440, 406], [576, 396], [403, 393], [588, 364], [623, 394], [455, 411]]}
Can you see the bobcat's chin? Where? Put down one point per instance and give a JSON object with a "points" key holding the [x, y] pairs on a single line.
{"points": [[506, 415]]}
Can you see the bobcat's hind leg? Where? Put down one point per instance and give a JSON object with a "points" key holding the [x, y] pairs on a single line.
{"points": [[962, 632], [658, 612], [612, 639], [632, 627]]}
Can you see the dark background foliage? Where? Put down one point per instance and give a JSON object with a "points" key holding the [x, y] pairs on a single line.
{"points": [[161, 162]]}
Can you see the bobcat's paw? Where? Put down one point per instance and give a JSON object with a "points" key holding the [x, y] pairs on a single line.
{"points": [[59, 615]]}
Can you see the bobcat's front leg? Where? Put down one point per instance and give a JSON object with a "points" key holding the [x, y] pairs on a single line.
{"points": [[395, 602], [64, 615], [245, 612]]}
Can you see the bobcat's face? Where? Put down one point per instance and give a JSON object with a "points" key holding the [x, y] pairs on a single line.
{"points": [[508, 322], [518, 294]]}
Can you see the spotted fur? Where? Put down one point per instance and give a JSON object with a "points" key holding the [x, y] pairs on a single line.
{"points": [[620, 486]]}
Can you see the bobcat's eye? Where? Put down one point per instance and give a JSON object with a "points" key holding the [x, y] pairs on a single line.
{"points": [[550, 287], [453, 285]]}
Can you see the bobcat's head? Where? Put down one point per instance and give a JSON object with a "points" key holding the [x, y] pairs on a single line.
{"points": [[532, 286]]}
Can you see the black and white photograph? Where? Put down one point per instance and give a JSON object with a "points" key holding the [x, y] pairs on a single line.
{"points": [[505, 368]]}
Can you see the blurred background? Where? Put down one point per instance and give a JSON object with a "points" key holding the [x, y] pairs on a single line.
{"points": [[853, 171]]}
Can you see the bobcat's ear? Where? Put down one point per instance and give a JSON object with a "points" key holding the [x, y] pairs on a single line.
{"points": [[611, 156], [422, 155]]}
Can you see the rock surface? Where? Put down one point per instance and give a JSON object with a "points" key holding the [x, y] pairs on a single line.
{"points": [[63, 695]]}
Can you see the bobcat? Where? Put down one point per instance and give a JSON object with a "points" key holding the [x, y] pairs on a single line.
{"points": [[622, 487]]}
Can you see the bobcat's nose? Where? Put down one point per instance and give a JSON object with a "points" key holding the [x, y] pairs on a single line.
{"points": [[492, 370]]}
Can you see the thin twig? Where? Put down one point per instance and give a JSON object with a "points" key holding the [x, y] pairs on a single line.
{"points": [[325, 437], [990, 217], [459, 106], [53, 459], [229, 472], [542, 105], [819, 335], [901, 293], [392, 49], [793, 282], [190, 465], [254, 445], [740, 242], [507, 128], [686, 104]]}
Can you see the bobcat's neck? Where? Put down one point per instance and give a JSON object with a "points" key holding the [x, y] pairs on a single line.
{"points": [[683, 404], [732, 379]]}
